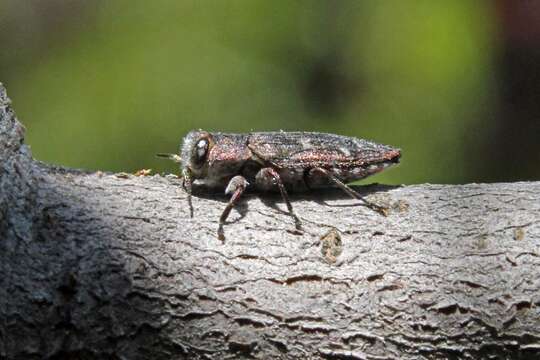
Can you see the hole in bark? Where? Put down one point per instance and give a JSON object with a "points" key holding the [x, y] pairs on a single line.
{"points": [[448, 310], [523, 305], [374, 277]]}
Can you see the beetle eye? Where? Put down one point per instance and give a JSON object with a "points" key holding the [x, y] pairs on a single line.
{"points": [[201, 149]]}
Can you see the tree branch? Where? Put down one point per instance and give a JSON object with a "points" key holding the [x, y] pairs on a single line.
{"points": [[100, 265]]}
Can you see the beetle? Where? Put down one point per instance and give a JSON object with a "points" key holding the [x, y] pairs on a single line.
{"points": [[283, 161]]}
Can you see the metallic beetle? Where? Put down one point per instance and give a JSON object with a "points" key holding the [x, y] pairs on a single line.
{"points": [[284, 161]]}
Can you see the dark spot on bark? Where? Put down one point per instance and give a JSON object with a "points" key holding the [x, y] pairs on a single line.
{"points": [[248, 257], [448, 310], [296, 279], [523, 305], [68, 287], [472, 284], [510, 260], [374, 277]]}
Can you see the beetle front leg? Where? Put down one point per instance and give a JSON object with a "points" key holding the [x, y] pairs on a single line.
{"points": [[187, 185], [235, 188], [347, 189], [268, 177]]}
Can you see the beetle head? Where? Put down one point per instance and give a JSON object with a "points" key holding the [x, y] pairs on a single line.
{"points": [[194, 153]]}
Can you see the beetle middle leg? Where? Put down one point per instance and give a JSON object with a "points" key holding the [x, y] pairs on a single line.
{"points": [[235, 188], [348, 190], [267, 178]]}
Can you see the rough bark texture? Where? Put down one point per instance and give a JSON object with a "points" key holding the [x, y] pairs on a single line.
{"points": [[98, 265]]}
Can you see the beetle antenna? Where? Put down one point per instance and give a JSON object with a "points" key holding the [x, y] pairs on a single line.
{"points": [[174, 157]]}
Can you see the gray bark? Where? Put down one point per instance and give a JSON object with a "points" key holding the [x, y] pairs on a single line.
{"points": [[100, 265]]}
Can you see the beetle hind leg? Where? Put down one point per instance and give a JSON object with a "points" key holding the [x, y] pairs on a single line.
{"points": [[235, 188], [267, 178], [348, 190]]}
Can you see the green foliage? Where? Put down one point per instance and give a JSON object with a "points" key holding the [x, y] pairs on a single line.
{"points": [[138, 75]]}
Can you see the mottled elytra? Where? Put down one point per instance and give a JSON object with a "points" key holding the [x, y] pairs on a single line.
{"points": [[278, 161]]}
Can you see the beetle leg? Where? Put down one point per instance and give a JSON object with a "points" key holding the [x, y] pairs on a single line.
{"points": [[235, 188], [269, 176], [186, 184], [347, 189]]}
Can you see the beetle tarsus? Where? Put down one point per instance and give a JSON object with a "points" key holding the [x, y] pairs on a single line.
{"points": [[349, 191], [271, 172]]}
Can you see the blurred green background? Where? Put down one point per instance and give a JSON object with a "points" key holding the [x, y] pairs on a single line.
{"points": [[105, 85]]}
